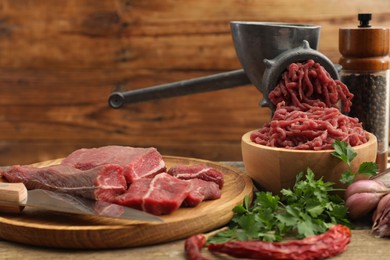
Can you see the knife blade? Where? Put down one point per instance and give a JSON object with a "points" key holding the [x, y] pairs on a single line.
{"points": [[14, 197]]}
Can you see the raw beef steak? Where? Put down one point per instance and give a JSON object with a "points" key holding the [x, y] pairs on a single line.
{"points": [[137, 162], [200, 190], [160, 195], [100, 183], [197, 171]]}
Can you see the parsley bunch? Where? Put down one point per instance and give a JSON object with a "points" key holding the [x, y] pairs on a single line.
{"points": [[309, 208], [305, 210]]}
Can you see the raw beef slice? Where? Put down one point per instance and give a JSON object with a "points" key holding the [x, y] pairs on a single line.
{"points": [[159, 195], [200, 190], [137, 162], [197, 171], [101, 183]]}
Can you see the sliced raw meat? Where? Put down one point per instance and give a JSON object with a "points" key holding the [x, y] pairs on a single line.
{"points": [[101, 183], [197, 171], [137, 162], [200, 190], [160, 195]]}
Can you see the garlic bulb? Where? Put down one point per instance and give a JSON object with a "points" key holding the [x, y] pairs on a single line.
{"points": [[363, 196]]}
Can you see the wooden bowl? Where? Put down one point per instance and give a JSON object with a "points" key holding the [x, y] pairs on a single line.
{"points": [[273, 169]]}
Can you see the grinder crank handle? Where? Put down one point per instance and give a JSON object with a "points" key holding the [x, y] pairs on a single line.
{"points": [[12, 197], [180, 88]]}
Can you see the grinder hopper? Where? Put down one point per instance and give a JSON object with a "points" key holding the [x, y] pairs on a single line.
{"points": [[264, 49]]}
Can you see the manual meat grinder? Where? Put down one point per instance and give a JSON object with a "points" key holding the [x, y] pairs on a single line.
{"points": [[264, 49]]}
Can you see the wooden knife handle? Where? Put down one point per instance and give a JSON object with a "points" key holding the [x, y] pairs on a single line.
{"points": [[12, 197]]}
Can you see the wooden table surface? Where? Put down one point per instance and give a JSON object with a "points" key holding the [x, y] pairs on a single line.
{"points": [[363, 246]]}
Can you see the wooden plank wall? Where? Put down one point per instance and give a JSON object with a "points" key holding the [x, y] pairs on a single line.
{"points": [[60, 60]]}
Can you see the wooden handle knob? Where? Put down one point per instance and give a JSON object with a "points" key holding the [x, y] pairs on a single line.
{"points": [[12, 197], [364, 49]]}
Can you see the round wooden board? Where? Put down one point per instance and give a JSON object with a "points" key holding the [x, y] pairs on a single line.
{"points": [[49, 229]]}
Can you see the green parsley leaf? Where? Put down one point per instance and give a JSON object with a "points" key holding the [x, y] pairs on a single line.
{"points": [[343, 151], [267, 200], [368, 168], [305, 228], [249, 225], [347, 177], [315, 210], [290, 217], [239, 209], [224, 236], [246, 202], [270, 236]]}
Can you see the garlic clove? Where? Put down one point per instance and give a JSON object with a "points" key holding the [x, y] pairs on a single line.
{"points": [[383, 204], [383, 230], [381, 225], [381, 217], [361, 204]]}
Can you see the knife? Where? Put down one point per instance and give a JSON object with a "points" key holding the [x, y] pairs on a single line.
{"points": [[15, 196]]}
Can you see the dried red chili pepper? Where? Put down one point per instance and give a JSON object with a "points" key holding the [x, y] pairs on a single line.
{"points": [[331, 243], [193, 246]]}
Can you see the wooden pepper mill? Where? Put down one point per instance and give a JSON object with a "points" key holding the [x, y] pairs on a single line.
{"points": [[365, 70]]}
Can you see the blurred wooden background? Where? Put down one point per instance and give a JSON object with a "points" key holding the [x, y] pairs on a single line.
{"points": [[60, 60]]}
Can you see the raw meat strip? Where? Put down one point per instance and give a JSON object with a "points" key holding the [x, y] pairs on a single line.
{"points": [[314, 129], [198, 171], [308, 84], [137, 162], [100, 183], [159, 195], [200, 190]]}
